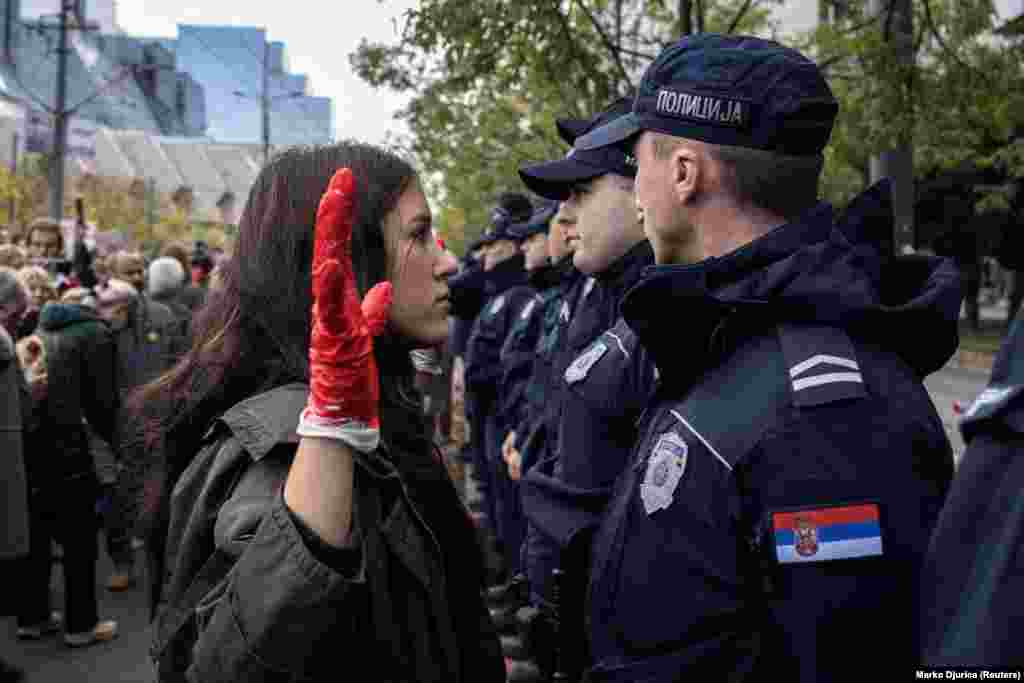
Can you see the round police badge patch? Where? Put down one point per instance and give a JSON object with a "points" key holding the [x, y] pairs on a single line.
{"points": [[665, 468]]}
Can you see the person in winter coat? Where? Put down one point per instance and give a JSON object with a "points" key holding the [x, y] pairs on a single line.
{"points": [[81, 385], [304, 521], [189, 295], [14, 403], [149, 338], [165, 283]]}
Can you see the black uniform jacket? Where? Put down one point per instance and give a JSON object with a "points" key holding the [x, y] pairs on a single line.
{"points": [[774, 514], [973, 580]]}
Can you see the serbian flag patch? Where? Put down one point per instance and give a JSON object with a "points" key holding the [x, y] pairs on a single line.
{"points": [[827, 533]]}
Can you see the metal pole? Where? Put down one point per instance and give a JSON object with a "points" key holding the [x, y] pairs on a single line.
{"points": [[60, 119], [150, 205], [12, 206], [265, 100], [898, 163]]}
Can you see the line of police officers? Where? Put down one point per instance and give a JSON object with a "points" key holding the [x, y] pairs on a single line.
{"points": [[694, 391]]}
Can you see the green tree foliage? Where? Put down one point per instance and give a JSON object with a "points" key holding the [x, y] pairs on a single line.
{"points": [[489, 78], [958, 103]]}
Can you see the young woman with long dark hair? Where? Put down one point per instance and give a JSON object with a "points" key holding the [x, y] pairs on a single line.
{"points": [[303, 524]]}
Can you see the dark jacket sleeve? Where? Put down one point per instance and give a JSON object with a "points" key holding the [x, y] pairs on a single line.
{"points": [[517, 355], [844, 455], [483, 355], [280, 614], [972, 579], [101, 398]]}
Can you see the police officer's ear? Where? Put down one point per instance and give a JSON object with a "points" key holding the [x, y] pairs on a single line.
{"points": [[688, 164]]}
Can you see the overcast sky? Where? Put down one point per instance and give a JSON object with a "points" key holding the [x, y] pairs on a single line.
{"points": [[318, 37]]}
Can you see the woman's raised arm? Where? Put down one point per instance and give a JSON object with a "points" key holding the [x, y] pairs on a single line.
{"points": [[343, 409]]}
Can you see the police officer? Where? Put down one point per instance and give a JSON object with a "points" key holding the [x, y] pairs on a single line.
{"points": [[527, 358], [508, 292], [790, 467], [605, 384], [467, 295], [971, 582]]}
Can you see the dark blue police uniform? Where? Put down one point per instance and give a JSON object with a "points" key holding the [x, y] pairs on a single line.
{"points": [[528, 345], [972, 584], [534, 437], [483, 377], [776, 509], [773, 518], [591, 434]]}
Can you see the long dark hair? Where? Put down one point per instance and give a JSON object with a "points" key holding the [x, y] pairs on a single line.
{"points": [[253, 332]]}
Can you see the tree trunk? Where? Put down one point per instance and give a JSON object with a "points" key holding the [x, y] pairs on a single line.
{"points": [[685, 17]]}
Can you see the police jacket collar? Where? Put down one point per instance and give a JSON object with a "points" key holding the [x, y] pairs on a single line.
{"points": [[506, 275], [812, 270], [1001, 403], [629, 268], [466, 291], [544, 277]]}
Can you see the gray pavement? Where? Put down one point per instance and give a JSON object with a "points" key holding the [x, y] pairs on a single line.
{"points": [[125, 659], [955, 384]]}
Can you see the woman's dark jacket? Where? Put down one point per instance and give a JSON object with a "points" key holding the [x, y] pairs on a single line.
{"points": [[246, 598]]}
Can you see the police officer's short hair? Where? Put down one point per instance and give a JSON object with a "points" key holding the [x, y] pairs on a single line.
{"points": [[783, 184]]}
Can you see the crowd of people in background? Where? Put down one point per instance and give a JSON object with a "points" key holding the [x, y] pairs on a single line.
{"points": [[87, 329]]}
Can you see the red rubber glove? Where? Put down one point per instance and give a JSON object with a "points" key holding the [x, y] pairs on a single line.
{"points": [[344, 384]]}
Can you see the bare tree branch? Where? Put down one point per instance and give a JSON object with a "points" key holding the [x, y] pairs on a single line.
{"points": [[612, 49], [556, 6], [945, 48], [739, 15], [825, 64], [636, 53]]}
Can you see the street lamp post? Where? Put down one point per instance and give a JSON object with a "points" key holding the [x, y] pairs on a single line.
{"points": [[266, 100]]}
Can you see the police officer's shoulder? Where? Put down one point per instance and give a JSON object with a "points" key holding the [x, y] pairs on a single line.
{"points": [[1002, 401], [614, 347], [735, 403], [822, 365], [511, 300], [531, 306]]}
